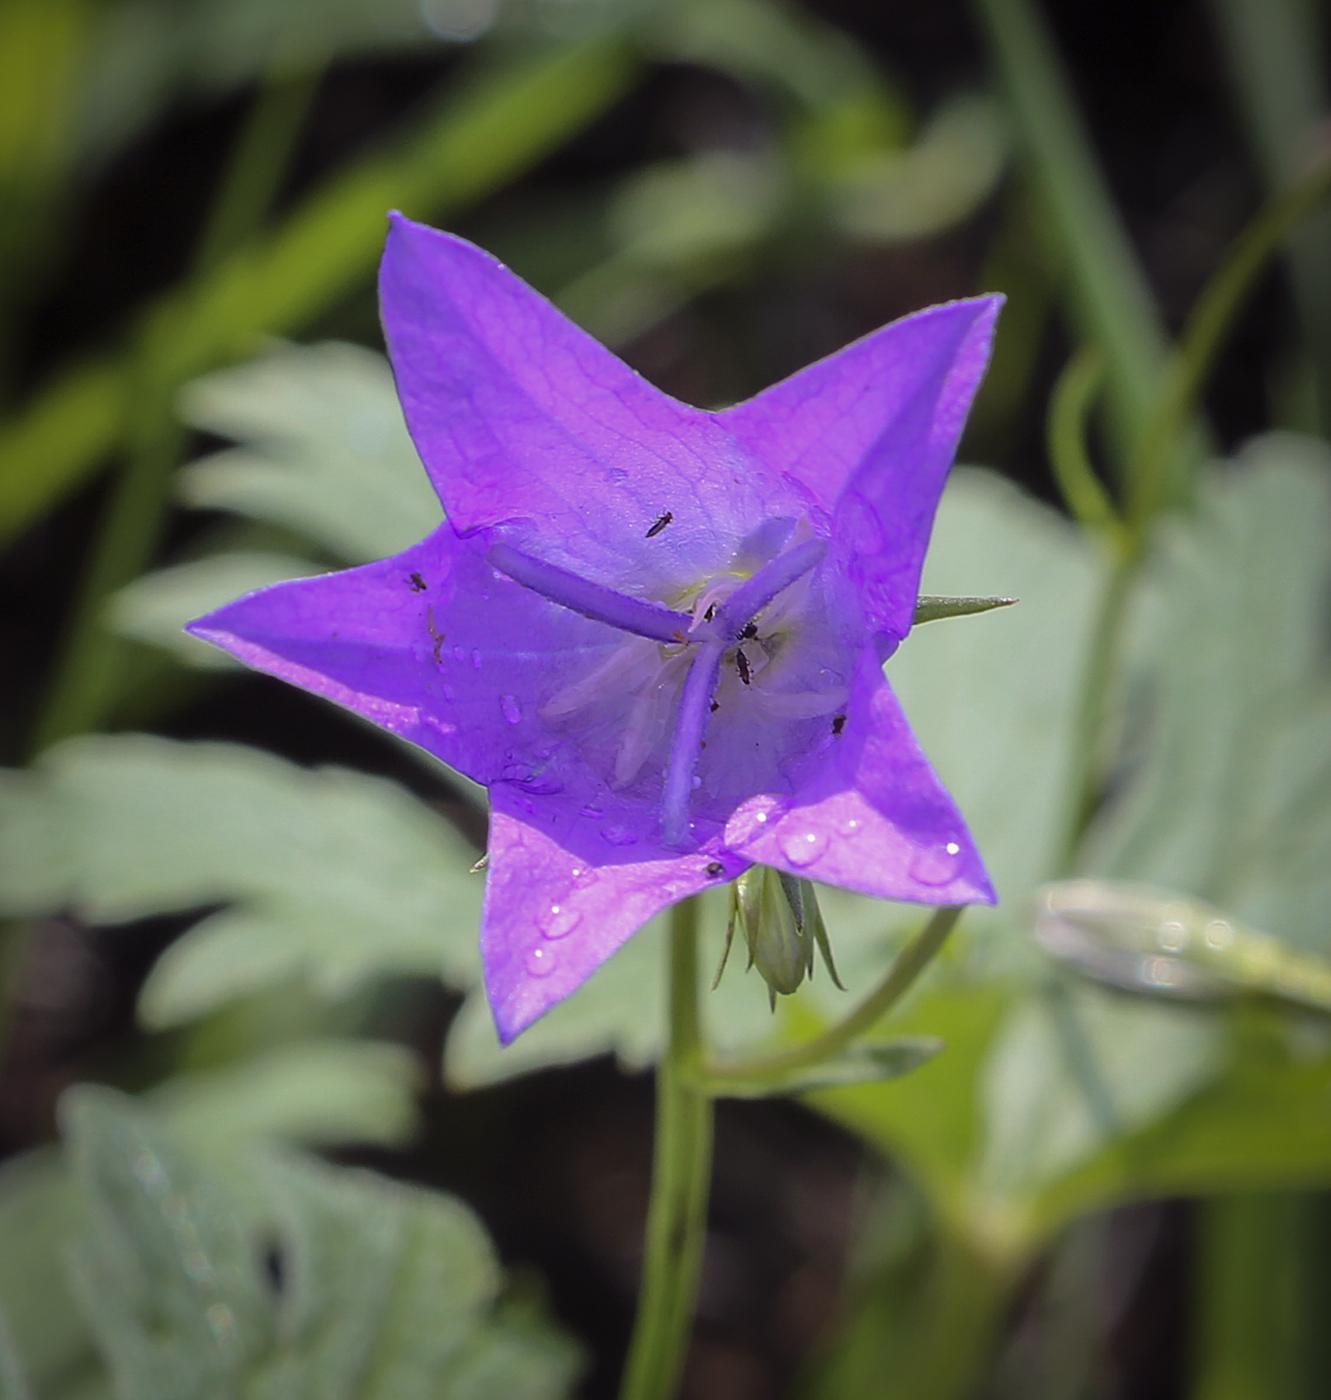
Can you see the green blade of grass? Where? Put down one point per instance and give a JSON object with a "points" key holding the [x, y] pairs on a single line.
{"points": [[500, 123]]}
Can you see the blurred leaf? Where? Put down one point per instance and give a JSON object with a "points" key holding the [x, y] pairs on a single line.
{"points": [[326, 450], [329, 875], [156, 607], [491, 126], [952, 168], [1229, 795], [865, 1062], [146, 52], [314, 1091], [379, 1291], [13, 1379]]}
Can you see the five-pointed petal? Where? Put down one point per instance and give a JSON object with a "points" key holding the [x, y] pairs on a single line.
{"points": [[655, 633]]}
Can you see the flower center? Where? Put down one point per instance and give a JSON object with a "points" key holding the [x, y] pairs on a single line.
{"points": [[680, 653]]}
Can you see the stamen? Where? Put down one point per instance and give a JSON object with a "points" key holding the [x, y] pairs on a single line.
{"points": [[754, 594], [592, 600], [686, 741]]}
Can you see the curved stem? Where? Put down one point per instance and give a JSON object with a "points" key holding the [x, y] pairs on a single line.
{"points": [[901, 976], [1152, 469], [1069, 408], [681, 1170]]}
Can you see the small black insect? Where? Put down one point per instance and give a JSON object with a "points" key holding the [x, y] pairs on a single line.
{"points": [[660, 523], [742, 666], [838, 723], [716, 705], [710, 613], [715, 868], [418, 584], [750, 631]]}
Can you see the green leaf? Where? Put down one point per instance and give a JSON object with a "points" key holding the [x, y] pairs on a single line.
{"points": [[320, 1092], [865, 1062], [156, 607], [1230, 791], [326, 450], [490, 127], [146, 52], [327, 875], [387, 1292]]}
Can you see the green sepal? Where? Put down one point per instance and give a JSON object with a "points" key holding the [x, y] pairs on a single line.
{"points": [[931, 609]]}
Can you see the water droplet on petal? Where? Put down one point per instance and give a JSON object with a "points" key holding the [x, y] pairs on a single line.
{"points": [[619, 835], [475, 659], [590, 809], [803, 847], [540, 962], [849, 826], [459, 653], [936, 865], [512, 710], [559, 922]]}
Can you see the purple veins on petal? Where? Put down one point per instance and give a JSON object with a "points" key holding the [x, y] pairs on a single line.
{"points": [[652, 709]]}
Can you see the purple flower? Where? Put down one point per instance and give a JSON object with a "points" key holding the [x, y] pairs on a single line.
{"points": [[656, 634]]}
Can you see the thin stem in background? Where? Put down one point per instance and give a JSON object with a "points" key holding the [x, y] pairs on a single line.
{"points": [[1111, 298], [1069, 415], [900, 977], [1275, 54], [681, 1173], [87, 674]]}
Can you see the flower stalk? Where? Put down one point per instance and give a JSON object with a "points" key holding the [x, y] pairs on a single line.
{"points": [[681, 1171]]}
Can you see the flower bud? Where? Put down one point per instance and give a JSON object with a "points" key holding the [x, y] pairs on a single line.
{"points": [[779, 917]]}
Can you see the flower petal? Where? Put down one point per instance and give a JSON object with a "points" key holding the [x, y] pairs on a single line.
{"points": [[870, 814], [435, 645], [563, 892], [520, 416], [870, 432]]}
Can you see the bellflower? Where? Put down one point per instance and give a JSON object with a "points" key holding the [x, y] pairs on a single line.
{"points": [[655, 634]]}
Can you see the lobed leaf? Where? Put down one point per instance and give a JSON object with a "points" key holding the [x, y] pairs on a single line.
{"points": [[326, 874]]}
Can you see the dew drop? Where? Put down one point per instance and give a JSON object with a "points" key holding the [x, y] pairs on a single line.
{"points": [[559, 922], [540, 962], [619, 835], [512, 710], [459, 653], [804, 847], [936, 865], [475, 659], [590, 809], [849, 826]]}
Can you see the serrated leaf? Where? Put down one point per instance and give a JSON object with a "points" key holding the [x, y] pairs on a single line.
{"points": [[325, 874], [325, 450], [314, 1091], [156, 607], [299, 1281], [1229, 795]]}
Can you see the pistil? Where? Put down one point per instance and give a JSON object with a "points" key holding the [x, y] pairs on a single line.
{"points": [[593, 600]]}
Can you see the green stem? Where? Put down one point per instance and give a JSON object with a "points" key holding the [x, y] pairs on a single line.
{"points": [[901, 976], [88, 674], [681, 1170], [1152, 482], [1111, 298], [1069, 414]]}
